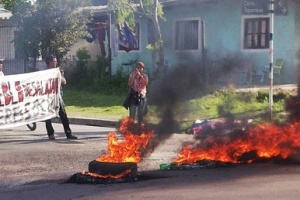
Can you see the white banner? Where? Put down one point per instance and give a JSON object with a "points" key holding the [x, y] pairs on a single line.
{"points": [[30, 97]]}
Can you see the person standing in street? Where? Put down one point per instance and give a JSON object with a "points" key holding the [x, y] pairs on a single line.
{"points": [[51, 62], [1, 68], [138, 81]]}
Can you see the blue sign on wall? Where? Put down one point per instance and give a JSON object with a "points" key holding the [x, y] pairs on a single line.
{"points": [[255, 7], [261, 7], [281, 7]]}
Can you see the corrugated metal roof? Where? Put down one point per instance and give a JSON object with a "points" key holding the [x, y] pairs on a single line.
{"points": [[180, 2], [4, 14]]}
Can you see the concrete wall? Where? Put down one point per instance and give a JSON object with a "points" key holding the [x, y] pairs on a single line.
{"points": [[122, 58]]}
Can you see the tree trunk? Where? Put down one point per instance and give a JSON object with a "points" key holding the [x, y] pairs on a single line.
{"points": [[159, 42]]}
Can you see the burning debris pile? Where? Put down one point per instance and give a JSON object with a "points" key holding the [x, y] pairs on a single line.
{"points": [[120, 164], [266, 140], [255, 143]]}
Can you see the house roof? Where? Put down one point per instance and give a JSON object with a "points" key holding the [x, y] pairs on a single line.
{"points": [[101, 10], [4, 14], [181, 2], [104, 8]]}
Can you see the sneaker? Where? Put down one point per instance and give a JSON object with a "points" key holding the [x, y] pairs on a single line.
{"points": [[51, 137], [71, 137]]}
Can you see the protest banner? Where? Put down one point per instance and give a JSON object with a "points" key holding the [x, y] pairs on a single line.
{"points": [[29, 97]]}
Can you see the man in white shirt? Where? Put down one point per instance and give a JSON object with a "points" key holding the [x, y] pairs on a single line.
{"points": [[1, 68]]}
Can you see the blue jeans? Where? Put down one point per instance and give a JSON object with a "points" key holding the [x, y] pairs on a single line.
{"points": [[139, 108]]}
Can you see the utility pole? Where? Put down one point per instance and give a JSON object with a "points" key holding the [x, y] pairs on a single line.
{"points": [[271, 55], [108, 71]]}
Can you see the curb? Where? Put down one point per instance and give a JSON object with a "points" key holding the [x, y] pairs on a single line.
{"points": [[89, 122]]}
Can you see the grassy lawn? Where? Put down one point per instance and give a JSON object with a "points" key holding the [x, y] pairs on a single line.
{"points": [[94, 105], [215, 105]]}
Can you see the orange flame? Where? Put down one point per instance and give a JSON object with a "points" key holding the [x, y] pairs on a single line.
{"points": [[107, 176], [267, 140], [127, 150]]}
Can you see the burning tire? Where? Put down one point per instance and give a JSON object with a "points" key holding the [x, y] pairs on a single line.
{"points": [[126, 170]]}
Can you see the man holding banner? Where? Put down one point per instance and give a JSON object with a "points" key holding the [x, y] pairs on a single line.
{"points": [[51, 62], [29, 97]]}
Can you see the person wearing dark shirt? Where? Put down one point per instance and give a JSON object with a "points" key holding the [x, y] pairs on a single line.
{"points": [[51, 62]]}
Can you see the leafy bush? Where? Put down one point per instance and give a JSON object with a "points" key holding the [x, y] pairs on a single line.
{"points": [[98, 79], [77, 78], [263, 95], [114, 84]]}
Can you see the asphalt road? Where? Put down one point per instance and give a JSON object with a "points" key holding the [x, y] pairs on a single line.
{"points": [[32, 167]]}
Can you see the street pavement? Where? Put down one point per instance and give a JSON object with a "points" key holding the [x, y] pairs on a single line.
{"points": [[35, 168]]}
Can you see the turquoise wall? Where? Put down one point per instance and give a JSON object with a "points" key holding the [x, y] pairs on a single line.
{"points": [[223, 27], [223, 37], [296, 43]]}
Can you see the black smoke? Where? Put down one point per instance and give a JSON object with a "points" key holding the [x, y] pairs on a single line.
{"points": [[184, 82], [293, 103]]}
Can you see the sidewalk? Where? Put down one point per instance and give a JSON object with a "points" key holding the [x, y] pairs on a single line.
{"points": [[267, 87], [89, 122]]}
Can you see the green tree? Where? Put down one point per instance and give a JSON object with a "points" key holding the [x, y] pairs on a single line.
{"points": [[50, 26], [150, 9], [11, 4]]}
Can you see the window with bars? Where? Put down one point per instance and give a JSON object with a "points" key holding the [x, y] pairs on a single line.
{"points": [[256, 33], [187, 35]]}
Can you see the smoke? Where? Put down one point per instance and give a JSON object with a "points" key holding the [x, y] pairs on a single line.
{"points": [[236, 139], [292, 103], [184, 82], [177, 85]]}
